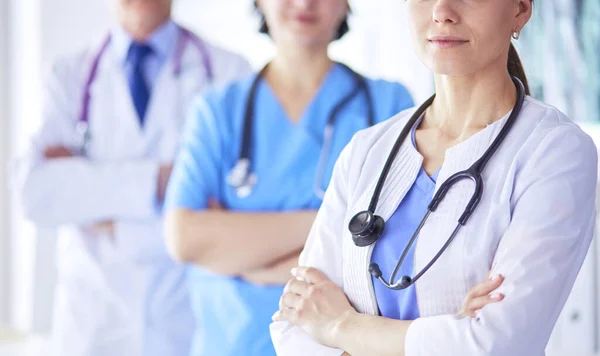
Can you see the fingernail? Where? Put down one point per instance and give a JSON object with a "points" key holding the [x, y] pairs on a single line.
{"points": [[496, 296], [495, 277], [294, 270]]}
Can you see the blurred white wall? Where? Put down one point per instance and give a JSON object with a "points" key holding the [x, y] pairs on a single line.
{"points": [[4, 148], [24, 76]]}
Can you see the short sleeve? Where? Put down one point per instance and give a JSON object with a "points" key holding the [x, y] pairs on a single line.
{"points": [[196, 171]]}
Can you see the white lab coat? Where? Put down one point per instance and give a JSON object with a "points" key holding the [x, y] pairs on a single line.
{"points": [[533, 225], [120, 296]]}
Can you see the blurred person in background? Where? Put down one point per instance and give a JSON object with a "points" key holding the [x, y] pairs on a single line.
{"points": [[97, 169], [255, 160]]}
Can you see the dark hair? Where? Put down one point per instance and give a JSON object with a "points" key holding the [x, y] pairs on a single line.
{"points": [[515, 66], [342, 30]]}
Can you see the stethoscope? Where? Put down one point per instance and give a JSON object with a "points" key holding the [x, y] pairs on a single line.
{"points": [[366, 227], [243, 179], [83, 128]]}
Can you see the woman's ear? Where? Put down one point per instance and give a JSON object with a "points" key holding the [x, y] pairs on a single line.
{"points": [[525, 10]]}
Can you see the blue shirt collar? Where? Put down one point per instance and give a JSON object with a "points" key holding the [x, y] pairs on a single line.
{"points": [[162, 41]]}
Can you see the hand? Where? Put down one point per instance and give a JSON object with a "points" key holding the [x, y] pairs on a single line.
{"points": [[54, 152], [104, 227], [314, 303], [164, 173], [479, 296]]}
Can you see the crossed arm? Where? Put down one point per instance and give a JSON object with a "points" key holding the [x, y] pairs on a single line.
{"points": [[261, 247]]}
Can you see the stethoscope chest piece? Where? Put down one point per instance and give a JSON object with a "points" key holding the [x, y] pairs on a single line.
{"points": [[83, 136], [366, 228], [241, 179]]}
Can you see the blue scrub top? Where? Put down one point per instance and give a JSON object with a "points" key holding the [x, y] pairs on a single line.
{"points": [[402, 304], [233, 316]]}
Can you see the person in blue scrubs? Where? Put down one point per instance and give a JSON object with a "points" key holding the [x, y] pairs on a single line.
{"points": [[241, 242]]}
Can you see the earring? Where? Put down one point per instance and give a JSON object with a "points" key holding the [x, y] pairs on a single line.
{"points": [[516, 35]]}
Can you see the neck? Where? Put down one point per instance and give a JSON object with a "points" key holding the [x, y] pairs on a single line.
{"points": [[471, 102], [141, 30], [303, 69]]}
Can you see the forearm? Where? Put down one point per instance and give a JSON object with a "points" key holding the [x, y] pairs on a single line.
{"points": [[233, 243], [77, 191], [365, 335], [276, 274]]}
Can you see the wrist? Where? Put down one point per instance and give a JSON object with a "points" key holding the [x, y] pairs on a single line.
{"points": [[344, 327]]}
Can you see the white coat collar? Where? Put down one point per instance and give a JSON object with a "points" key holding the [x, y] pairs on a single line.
{"points": [[162, 41]]}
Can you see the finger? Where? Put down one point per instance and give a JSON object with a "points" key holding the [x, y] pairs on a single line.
{"points": [[57, 152], [278, 317], [284, 315], [478, 303], [486, 287], [290, 300], [309, 274], [297, 286], [51, 153]]}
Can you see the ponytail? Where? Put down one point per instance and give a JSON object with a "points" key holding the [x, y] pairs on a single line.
{"points": [[515, 67]]}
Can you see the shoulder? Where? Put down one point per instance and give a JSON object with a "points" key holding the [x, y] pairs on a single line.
{"points": [[383, 134], [389, 97], [373, 143], [227, 64], [223, 53], [551, 139], [223, 106], [232, 93], [388, 88], [546, 125], [71, 70]]}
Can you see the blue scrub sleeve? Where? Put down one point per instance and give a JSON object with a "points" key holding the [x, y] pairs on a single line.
{"points": [[196, 171]]}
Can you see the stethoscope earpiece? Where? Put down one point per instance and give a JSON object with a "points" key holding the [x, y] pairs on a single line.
{"points": [[366, 228]]}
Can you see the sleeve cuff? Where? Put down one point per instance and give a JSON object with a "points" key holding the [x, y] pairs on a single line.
{"points": [[290, 340]]}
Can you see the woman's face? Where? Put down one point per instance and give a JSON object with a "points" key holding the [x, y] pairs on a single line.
{"points": [[303, 22], [458, 37]]}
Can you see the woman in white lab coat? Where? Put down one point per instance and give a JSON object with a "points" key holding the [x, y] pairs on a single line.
{"points": [[530, 232], [97, 170]]}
